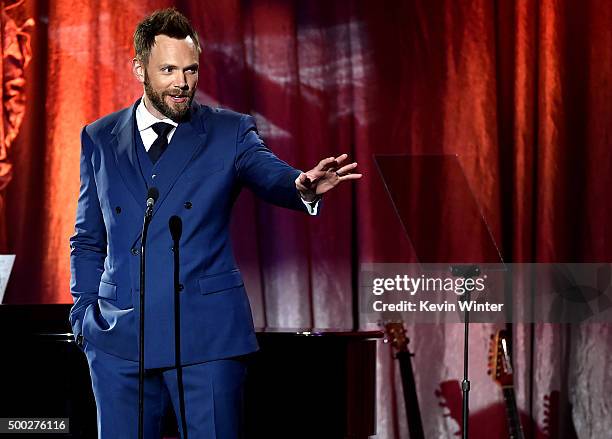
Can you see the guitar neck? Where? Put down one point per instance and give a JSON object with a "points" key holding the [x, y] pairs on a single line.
{"points": [[514, 420], [413, 413]]}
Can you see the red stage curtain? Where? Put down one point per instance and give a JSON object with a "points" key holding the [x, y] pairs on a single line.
{"points": [[519, 90]]}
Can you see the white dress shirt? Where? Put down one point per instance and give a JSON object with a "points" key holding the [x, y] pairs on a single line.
{"points": [[145, 121]]}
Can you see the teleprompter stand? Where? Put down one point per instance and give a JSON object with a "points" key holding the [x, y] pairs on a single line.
{"points": [[465, 272], [442, 220]]}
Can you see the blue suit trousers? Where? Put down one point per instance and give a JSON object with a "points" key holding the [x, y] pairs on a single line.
{"points": [[213, 393]]}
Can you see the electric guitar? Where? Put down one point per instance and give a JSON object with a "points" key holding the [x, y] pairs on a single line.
{"points": [[500, 368]]}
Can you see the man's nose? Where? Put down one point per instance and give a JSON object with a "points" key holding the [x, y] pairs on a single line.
{"points": [[180, 81]]}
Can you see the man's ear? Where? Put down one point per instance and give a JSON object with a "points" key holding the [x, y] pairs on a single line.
{"points": [[138, 69]]}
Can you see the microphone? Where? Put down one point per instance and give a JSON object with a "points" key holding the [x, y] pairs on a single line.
{"points": [[152, 196], [176, 227]]}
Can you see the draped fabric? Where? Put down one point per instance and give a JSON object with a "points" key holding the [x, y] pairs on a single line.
{"points": [[519, 90], [15, 53]]}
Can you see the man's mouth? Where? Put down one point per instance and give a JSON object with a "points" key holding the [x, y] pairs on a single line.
{"points": [[179, 99]]}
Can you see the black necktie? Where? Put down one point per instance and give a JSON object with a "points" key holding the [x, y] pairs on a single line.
{"points": [[161, 143]]}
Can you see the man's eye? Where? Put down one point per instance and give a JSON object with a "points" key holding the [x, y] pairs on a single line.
{"points": [[167, 69]]}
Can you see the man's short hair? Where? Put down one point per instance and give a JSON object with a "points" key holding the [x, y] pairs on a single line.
{"points": [[168, 22]]}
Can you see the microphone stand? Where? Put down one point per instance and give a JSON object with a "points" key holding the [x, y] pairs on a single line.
{"points": [[152, 196], [465, 272], [176, 226]]}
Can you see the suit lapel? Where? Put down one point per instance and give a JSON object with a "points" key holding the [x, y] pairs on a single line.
{"points": [[122, 144], [187, 140]]}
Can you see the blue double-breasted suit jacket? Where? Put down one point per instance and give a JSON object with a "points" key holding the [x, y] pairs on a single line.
{"points": [[210, 158]]}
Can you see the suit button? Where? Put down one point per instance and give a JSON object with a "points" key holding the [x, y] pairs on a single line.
{"points": [[118, 209], [188, 205], [153, 176], [135, 251], [181, 287]]}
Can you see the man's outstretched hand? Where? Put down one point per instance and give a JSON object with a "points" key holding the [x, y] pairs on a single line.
{"points": [[325, 176]]}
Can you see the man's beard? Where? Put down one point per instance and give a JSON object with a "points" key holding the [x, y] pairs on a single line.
{"points": [[157, 99]]}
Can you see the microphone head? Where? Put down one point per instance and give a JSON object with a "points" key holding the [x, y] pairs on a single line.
{"points": [[176, 227], [153, 194]]}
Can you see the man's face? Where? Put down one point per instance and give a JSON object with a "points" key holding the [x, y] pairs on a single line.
{"points": [[170, 78]]}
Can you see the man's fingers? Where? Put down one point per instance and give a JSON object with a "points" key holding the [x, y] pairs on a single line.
{"points": [[341, 158], [322, 178], [331, 163], [350, 177], [346, 169], [327, 164]]}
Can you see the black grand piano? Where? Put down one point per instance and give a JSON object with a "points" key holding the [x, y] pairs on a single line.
{"points": [[301, 384]]}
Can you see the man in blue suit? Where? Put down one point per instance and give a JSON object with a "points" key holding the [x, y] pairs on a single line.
{"points": [[199, 159]]}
